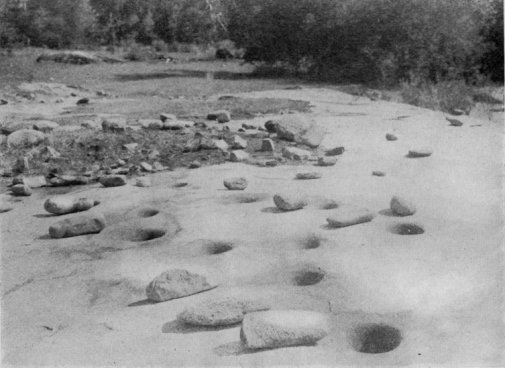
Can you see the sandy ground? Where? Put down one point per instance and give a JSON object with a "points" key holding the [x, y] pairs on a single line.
{"points": [[81, 300]]}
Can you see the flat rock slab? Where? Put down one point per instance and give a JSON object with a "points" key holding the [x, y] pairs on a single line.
{"points": [[279, 328], [80, 225], [401, 206], [287, 202], [61, 205], [235, 183], [348, 216], [220, 312], [176, 283], [308, 176], [420, 152]]}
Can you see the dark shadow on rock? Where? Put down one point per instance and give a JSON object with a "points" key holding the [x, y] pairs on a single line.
{"points": [[44, 215], [44, 237], [387, 212], [176, 326], [238, 348], [142, 302], [272, 210]]}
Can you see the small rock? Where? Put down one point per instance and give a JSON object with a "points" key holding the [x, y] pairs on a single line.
{"points": [[248, 126], [220, 312], [238, 142], [143, 182], [326, 161], [21, 165], [457, 112], [239, 156], [267, 145], [348, 216], [296, 153], [279, 328], [80, 225], [378, 173], [37, 181], [157, 166], [454, 122], [146, 167], [335, 151], [195, 164], [101, 93], [151, 124], [153, 154], [3, 102], [235, 183], [164, 117], [112, 180], [45, 126], [114, 124], [176, 283], [271, 163], [25, 138], [130, 147], [308, 175], [50, 152], [271, 126], [83, 101], [288, 202], [402, 207], [420, 152], [67, 180], [21, 190], [90, 124], [391, 137], [222, 116], [220, 144], [61, 205]]}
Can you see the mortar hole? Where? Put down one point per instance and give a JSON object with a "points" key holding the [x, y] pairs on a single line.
{"points": [[375, 338], [308, 276], [407, 229], [312, 242], [329, 205], [148, 234]]}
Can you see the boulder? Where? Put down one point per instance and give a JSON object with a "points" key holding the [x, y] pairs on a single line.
{"points": [[289, 202], [235, 183], [220, 144], [45, 126], [420, 152], [67, 180], [112, 180], [454, 122], [308, 175], [25, 138], [239, 156], [176, 283], [90, 124], [195, 164], [267, 145], [36, 181], [296, 128], [238, 142], [326, 161], [279, 328], [144, 166], [143, 182], [61, 205], [271, 126], [114, 124], [348, 216], [9, 127], [222, 116], [80, 225], [401, 206], [21, 190], [221, 311], [335, 151], [294, 153]]}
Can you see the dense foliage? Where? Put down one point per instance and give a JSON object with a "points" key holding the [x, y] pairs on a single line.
{"points": [[383, 41]]}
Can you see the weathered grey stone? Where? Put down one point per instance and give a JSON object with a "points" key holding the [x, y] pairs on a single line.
{"points": [[420, 152], [294, 153], [239, 156], [36, 181], [21, 190], [176, 283], [267, 145], [289, 202], [308, 175], [271, 126], [45, 126], [238, 142], [279, 328], [348, 216], [220, 144], [454, 122], [391, 137], [25, 138], [143, 182], [221, 311], [146, 167], [401, 206], [112, 180], [61, 205], [80, 225], [235, 183], [195, 164], [114, 124], [222, 116], [335, 151], [165, 116], [296, 128], [326, 161]]}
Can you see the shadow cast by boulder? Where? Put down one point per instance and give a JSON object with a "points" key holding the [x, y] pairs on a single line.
{"points": [[177, 327], [388, 212], [272, 210], [142, 302]]}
